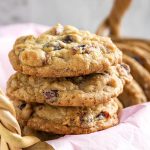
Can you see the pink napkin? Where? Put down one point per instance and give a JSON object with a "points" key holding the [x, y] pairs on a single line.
{"points": [[133, 132]]}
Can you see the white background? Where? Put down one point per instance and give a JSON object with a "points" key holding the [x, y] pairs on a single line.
{"points": [[85, 14]]}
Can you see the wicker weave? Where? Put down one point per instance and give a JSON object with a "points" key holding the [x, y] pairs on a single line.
{"points": [[129, 47], [10, 132], [113, 21]]}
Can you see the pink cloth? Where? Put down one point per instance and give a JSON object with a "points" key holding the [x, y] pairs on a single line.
{"points": [[133, 132]]}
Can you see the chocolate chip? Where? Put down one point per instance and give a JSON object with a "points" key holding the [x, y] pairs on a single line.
{"points": [[68, 39], [21, 106], [103, 115], [51, 94]]}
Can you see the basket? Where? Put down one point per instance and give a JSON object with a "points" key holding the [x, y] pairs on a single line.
{"points": [[10, 132], [136, 53]]}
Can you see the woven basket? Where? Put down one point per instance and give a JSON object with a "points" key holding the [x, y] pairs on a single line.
{"points": [[10, 132], [136, 53]]}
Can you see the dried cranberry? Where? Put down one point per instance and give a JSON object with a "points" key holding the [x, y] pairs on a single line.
{"points": [[68, 39], [103, 115], [21, 106], [51, 94]]}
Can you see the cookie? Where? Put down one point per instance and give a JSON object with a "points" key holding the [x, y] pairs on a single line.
{"points": [[132, 94], [140, 74], [86, 90], [47, 126], [141, 56], [63, 52], [70, 120]]}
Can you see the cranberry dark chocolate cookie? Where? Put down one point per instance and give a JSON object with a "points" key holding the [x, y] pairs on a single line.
{"points": [[62, 52], [68, 120], [86, 90]]}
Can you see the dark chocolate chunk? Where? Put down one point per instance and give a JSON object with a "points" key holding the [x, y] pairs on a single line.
{"points": [[68, 39], [51, 94]]}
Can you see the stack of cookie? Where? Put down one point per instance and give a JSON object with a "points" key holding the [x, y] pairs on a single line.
{"points": [[67, 81]]}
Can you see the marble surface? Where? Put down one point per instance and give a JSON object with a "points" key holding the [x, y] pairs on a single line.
{"points": [[85, 14]]}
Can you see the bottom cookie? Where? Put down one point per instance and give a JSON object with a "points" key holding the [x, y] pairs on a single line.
{"points": [[67, 120], [48, 126]]}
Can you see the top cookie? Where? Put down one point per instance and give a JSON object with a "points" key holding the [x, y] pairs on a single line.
{"points": [[62, 52]]}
